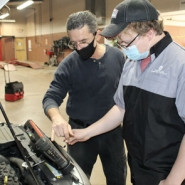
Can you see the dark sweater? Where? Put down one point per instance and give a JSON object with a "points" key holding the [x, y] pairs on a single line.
{"points": [[90, 85]]}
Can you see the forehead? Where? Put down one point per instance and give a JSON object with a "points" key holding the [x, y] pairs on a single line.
{"points": [[79, 34]]}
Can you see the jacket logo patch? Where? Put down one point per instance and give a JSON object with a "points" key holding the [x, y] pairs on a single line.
{"points": [[159, 71]]}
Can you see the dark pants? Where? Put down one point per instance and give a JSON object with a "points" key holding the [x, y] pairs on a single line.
{"points": [[109, 147], [140, 175]]}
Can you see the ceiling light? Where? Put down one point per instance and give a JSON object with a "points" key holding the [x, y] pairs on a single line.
{"points": [[7, 20], [24, 5], [3, 2], [4, 15]]}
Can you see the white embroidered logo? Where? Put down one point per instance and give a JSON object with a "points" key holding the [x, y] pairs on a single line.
{"points": [[159, 71], [114, 13]]}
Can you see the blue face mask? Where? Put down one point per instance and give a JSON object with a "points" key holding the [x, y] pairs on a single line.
{"points": [[133, 53]]}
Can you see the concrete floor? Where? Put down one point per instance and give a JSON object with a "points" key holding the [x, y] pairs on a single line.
{"points": [[36, 83]]}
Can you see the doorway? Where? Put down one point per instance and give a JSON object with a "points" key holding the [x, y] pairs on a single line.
{"points": [[20, 48], [7, 48]]}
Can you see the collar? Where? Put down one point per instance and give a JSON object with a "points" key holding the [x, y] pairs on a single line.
{"points": [[161, 45]]}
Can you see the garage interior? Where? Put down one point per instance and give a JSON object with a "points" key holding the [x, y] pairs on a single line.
{"points": [[30, 39]]}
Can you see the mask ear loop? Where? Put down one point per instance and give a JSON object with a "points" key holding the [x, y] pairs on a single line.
{"points": [[138, 41], [148, 44]]}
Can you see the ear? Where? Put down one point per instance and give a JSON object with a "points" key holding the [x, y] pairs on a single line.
{"points": [[98, 36], [150, 34]]}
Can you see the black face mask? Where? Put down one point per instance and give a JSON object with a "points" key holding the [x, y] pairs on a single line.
{"points": [[87, 52]]}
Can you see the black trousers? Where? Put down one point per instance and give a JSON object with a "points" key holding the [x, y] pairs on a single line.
{"points": [[143, 176], [109, 147]]}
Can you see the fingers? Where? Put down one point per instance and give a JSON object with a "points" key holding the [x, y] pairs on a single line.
{"points": [[65, 131], [70, 130], [79, 135], [74, 136], [72, 141], [52, 135], [62, 130], [57, 130]]}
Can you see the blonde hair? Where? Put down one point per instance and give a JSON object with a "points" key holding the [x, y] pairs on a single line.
{"points": [[143, 27]]}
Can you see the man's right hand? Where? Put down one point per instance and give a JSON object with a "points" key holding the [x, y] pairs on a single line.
{"points": [[60, 127]]}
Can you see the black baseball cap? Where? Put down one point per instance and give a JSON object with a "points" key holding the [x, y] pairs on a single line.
{"points": [[129, 11]]}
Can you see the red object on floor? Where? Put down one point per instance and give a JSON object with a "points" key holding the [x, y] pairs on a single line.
{"points": [[14, 97]]}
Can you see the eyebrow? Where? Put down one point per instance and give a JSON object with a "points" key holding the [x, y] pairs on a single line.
{"points": [[78, 41]]}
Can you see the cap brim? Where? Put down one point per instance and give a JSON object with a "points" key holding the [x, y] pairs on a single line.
{"points": [[113, 30]]}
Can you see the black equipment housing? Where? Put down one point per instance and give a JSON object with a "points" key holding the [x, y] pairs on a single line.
{"points": [[28, 147]]}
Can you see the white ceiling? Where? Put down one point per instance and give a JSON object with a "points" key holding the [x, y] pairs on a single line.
{"points": [[172, 11]]}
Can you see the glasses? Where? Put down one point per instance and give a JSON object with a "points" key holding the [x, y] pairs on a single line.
{"points": [[83, 43], [126, 46]]}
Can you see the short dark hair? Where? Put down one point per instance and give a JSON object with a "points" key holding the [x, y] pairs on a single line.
{"points": [[80, 19]]}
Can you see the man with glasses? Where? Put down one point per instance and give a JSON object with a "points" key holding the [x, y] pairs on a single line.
{"points": [[150, 99], [90, 76]]}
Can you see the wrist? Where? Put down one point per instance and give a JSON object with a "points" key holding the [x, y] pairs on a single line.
{"points": [[173, 181], [89, 132]]}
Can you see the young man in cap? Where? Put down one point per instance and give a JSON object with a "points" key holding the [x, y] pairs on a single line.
{"points": [[90, 76], [150, 99]]}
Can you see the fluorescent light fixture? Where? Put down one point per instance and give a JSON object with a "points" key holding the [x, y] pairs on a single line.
{"points": [[4, 15], [3, 2], [175, 18], [24, 5], [7, 20]]}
